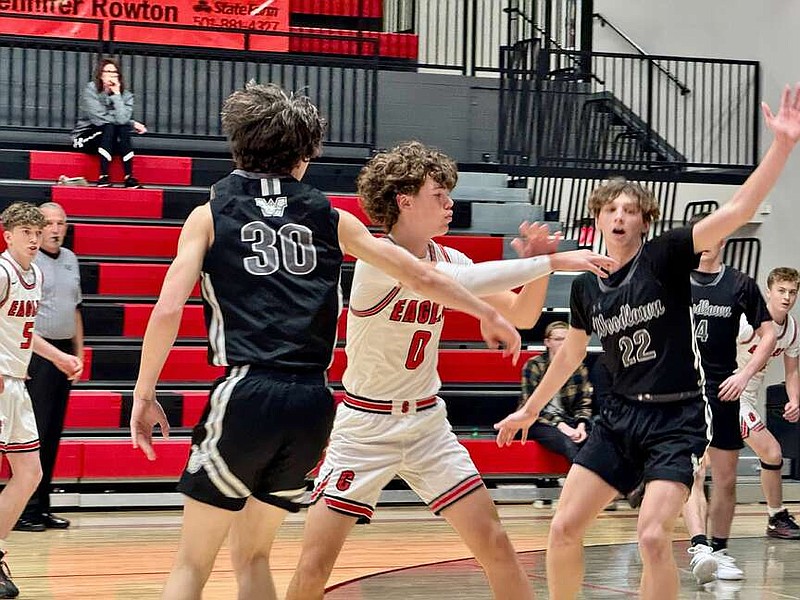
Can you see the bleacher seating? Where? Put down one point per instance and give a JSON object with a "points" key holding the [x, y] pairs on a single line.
{"points": [[125, 240]]}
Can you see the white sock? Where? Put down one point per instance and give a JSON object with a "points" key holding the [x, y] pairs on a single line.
{"points": [[775, 511]]}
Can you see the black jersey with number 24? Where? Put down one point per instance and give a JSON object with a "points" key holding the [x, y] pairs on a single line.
{"points": [[642, 315], [270, 280], [720, 300]]}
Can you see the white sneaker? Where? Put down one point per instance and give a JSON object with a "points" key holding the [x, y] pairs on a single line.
{"points": [[726, 566], [703, 563]]}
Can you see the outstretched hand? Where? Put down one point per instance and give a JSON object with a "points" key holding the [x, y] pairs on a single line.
{"points": [[499, 333], [535, 240], [583, 260], [507, 428], [786, 124]]}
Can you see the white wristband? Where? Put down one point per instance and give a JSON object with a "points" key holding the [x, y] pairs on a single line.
{"points": [[495, 276]]}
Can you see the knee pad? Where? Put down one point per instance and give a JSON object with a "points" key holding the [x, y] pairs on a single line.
{"points": [[768, 467]]}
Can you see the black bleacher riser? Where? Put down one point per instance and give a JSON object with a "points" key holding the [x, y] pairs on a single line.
{"points": [[178, 203], [103, 320], [10, 193], [90, 274], [115, 364], [333, 177], [205, 171], [15, 164], [351, 23], [473, 409]]}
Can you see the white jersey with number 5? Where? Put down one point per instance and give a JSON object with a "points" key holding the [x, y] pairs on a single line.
{"points": [[20, 292], [393, 335], [747, 342]]}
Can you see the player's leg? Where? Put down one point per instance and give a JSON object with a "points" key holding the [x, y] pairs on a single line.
{"points": [[362, 457], [323, 537], [661, 505], [439, 469], [475, 519], [780, 523], [584, 495], [721, 509], [251, 536], [203, 530], [703, 564]]}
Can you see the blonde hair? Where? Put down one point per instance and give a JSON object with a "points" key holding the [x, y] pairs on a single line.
{"points": [[20, 214], [787, 274], [611, 189], [553, 326]]}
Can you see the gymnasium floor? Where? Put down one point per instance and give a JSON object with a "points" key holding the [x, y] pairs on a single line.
{"points": [[405, 554]]}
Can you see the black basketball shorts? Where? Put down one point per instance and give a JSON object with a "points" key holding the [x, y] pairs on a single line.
{"points": [[641, 441], [724, 420], [261, 433]]}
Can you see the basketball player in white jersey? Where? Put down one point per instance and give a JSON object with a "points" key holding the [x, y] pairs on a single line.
{"points": [[782, 284], [391, 421], [20, 292]]}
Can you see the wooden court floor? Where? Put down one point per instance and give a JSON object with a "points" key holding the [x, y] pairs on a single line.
{"points": [[125, 555]]}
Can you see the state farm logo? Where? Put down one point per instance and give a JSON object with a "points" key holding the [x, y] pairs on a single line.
{"points": [[236, 8]]}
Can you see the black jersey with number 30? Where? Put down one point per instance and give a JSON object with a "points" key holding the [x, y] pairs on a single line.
{"points": [[270, 280], [642, 315], [719, 301]]}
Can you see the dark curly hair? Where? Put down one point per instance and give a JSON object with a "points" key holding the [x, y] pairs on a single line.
{"points": [[401, 170], [270, 130]]}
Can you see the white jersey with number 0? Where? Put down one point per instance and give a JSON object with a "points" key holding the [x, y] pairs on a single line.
{"points": [[747, 342], [393, 335]]}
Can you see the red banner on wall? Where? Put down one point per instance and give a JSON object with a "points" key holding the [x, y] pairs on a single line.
{"points": [[262, 18]]}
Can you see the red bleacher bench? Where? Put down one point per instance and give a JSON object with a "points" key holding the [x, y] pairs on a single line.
{"points": [[117, 460]]}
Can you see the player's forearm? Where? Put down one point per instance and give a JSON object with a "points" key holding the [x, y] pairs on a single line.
{"points": [[160, 335], [562, 366], [526, 307], [77, 340], [445, 290], [793, 387], [493, 277]]}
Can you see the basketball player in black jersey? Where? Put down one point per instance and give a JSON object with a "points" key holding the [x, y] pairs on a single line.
{"points": [[720, 296], [656, 427], [267, 249]]}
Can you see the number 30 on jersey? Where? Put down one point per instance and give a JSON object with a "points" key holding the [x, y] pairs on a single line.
{"points": [[297, 252]]}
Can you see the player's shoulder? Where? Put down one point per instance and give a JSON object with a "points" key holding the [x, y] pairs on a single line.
{"points": [[452, 255]]}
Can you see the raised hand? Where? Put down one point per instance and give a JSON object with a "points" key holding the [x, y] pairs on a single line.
{"points": [[583, 260], [535, 240], [786, 124], [499, 333]]}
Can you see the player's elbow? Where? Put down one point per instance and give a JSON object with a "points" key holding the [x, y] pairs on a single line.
{"points": [[422, 278]]}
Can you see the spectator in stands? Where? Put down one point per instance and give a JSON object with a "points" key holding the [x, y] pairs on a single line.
{"points": [[563, 422], [21, 289], [59, 322], [656, 425], [105, 124], [269, 249]]}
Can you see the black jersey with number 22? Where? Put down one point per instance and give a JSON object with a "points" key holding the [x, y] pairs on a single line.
{"points": [[642, 315]]}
